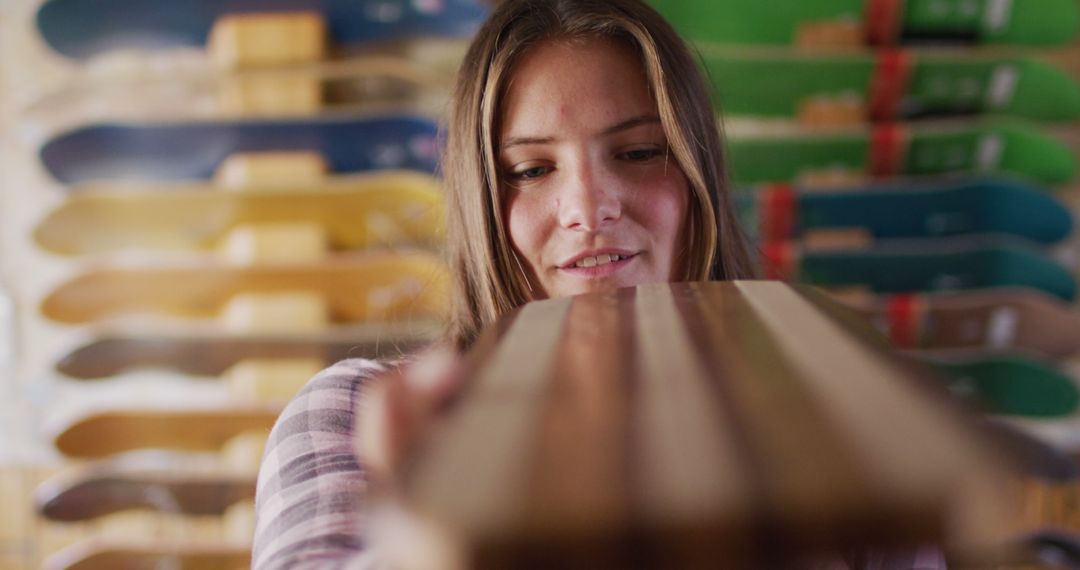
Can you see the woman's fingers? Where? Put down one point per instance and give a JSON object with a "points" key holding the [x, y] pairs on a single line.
{"points": [[399, 405]]}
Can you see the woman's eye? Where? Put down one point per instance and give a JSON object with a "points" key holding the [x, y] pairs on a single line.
{"points": [[642, 154], [529, 173]]}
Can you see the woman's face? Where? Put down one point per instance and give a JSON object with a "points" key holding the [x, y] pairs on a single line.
{"points": [[591, 198]]}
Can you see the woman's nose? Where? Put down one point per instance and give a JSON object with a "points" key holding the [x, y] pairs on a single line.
{"points": [[589, 199]]}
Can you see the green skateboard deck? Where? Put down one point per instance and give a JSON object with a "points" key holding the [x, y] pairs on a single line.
{"points": [[1032, 22], [1010, 385], [155, 482], [891, 149], [208, 352], [355, 212], [890, 84], [359, 287]]}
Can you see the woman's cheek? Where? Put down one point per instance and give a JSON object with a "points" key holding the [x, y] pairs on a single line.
{"points": [[524, 223]]}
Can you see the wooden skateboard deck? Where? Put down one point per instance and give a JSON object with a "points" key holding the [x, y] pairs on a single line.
{"points": [[907, 210], [195, 150], [1010, 385], [355, 212], [889, 85], [709, 422], [379, 286], [922, 266], [362, 85], [1006, 319], [157, 482], [180, 555], [888, 150], [101, 434], [203, 352], [80, 29], [1037, 22]]}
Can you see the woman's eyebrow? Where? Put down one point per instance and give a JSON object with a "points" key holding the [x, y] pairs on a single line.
{"points": [[622, 126], [631, 123]]}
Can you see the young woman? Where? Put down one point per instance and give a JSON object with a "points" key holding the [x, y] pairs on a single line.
{"points": [[583, 154]]}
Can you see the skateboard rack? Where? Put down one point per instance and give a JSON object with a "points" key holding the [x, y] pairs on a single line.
{"points": [[836, 143]]}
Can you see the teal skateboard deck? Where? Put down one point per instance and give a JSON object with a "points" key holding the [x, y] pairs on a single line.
{"points": [[1032, 22], [1009, 385], [888, 150], [891, 84], [80, 29], [922, 266], [195, 150], [908, 210]]}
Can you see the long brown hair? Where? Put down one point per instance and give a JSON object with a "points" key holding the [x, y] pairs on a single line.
{"points": [[488, 281]]}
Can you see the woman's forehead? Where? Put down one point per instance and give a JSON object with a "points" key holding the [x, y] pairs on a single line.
{"points": [[588, 83]]}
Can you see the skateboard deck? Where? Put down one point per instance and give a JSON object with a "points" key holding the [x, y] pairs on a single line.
{"points": [[195, 150], [922, 266], [355, 212], [111, 351], [157, 482], [907, 210], [97, 554], [101, 434], [1037, 22], [727, 432], [1009, 385], [80, 29], [889, 150], [364, 84], [889, 85], [372, 286], [994, 320]]}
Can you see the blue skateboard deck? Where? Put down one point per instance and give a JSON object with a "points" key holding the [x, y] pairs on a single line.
{"points": [[909, 210], [80, 29], [190, 151]]}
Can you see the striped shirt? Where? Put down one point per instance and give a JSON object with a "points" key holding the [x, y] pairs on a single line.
{"points": [[311, 486]]}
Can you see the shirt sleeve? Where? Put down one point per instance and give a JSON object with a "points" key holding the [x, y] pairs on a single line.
{"points": [[310, 484]]}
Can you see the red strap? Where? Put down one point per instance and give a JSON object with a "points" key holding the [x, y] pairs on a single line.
{"points": [[778, 203], [904, 313], [888, 150], [779, 260], [882, 20], [889, 84]]}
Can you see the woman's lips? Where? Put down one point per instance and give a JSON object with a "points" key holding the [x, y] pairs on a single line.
{"points": [[598, 271]]}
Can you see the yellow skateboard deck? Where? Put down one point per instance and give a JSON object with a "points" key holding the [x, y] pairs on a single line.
{"points": [[356, 287], [111, 554], [101, 434], [355, 212]]}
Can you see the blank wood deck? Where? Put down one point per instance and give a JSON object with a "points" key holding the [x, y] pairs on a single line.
{"points": [[687, 425]]}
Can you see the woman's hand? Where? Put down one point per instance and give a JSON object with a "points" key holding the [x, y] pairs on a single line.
{"points": [[399, 405]]}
